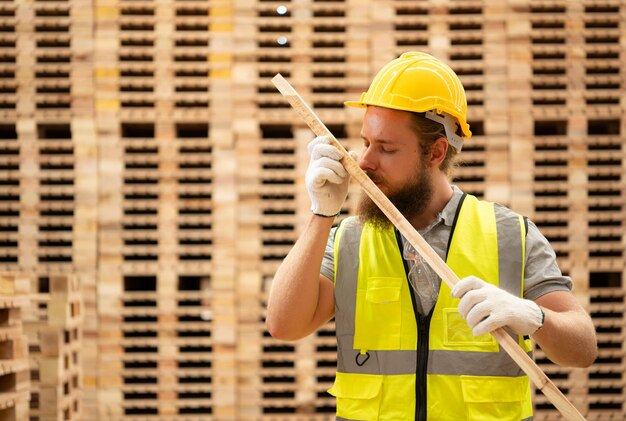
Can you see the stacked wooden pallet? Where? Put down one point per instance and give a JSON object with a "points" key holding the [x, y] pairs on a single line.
{"points": [[85, 225], [14, 371], [8, 47], [54, 126], [578, 160], [9, 147], [55, 330], [9, 191], [156, 102]]}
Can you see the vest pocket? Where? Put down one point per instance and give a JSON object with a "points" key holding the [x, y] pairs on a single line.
{"points": [[458, 334], [490, 398], [378, 314], [358, 395]]}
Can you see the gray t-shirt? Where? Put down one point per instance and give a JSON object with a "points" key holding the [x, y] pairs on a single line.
{"points": [[542, 274]]}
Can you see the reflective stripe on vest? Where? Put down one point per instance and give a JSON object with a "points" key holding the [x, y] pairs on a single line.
{"points": [[467, 377]]}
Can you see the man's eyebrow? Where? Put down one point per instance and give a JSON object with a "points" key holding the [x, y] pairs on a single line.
{"points": [[378, 140]]}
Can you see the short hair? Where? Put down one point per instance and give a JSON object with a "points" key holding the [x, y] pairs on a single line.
{"points": [[428, 132]]}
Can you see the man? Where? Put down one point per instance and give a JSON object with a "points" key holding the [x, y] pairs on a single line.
{"points": [[409, 347]]}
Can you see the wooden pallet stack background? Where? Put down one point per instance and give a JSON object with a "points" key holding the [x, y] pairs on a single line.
{"points": [[14, 368], [158, 75], [145, 151]]}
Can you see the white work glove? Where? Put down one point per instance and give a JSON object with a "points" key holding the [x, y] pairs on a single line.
{"points": [[486, 307], [326, 179]]}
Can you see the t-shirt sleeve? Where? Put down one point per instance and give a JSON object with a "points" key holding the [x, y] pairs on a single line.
{"points": [[328, 262], [542, 273]]}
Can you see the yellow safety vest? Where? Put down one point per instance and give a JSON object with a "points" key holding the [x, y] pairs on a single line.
{"points": [[396, 364]]}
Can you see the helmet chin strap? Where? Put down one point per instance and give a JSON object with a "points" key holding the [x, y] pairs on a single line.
{"points": [[450, 125]]}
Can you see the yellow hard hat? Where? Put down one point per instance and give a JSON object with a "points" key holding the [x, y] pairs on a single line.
{"points": [[419, 82]]}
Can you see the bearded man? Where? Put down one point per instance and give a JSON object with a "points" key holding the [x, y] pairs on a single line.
{"points": [[408, 347]]}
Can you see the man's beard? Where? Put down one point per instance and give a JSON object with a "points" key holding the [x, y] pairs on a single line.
{"points": [[410, 200]]}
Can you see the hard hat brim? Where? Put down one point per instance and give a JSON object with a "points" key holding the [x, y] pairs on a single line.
{"points": [[355, 104], [361, 104]]}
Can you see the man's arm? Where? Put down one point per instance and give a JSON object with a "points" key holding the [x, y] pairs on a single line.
{"points": [[300, 299], [568, 336]]}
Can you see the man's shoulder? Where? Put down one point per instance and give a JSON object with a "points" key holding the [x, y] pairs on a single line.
{"points": [[350, 226], [500, 208], [351, 222], [503, 212]]}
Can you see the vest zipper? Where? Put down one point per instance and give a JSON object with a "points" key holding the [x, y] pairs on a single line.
{"points": [[423, 327]]}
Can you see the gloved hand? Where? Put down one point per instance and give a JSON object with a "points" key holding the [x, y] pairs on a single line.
{"points": [[326, 179], [486, 307]]}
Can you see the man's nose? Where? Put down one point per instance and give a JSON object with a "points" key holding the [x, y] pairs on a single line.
{"points": [[367, 161]]}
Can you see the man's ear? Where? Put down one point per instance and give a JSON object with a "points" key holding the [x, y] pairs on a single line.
{"points": [[438, 152]]}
